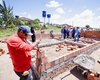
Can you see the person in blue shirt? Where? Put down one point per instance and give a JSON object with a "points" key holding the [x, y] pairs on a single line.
{"points": [[77, 34]]}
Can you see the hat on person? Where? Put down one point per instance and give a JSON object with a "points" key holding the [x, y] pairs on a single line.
{"points": [[26, 29]]}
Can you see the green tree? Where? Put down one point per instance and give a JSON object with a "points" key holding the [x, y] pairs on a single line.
{"points": [[87, 26], [6, 14], [36, 23], [1, 20]]}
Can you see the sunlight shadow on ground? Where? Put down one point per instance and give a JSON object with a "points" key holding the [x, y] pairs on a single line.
{"points": [[78, 73]]}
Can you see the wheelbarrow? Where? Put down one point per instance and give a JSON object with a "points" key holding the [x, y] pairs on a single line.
{"points": [[84, 62]]}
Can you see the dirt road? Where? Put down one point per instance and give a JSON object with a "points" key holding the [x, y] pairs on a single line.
{"points": [[6, 68]]}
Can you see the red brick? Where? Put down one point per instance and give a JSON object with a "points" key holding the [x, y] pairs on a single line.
{"points": [[61, 59], [65, 58], [91, 34], [42, 68], [48, 65], [52, 63], [49, 75], [44, 60]]}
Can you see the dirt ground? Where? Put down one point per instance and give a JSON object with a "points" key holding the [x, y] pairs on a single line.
{"points": [[6, 68], [7, 73]]}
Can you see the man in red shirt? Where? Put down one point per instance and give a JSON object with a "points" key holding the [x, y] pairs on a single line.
{"points": [[19, 50]]}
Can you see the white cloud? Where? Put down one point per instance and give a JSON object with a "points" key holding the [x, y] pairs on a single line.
{"points": [[60, 10], [87, 14], [55, 18], [25, 14], [53, 4], [84, 18], [81, 20], [98, 18]]}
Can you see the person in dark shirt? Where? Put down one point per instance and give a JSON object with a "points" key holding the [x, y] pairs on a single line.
{"points": [[51, 34], [73, 33], [64, 32], [67, 32], [33, 34]]}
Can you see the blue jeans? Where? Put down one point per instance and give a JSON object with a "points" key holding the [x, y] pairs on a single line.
{"points": [[76, 37], [31, 75]]}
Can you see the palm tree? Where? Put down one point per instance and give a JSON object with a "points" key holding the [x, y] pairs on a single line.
{"points": [[6, 14]]}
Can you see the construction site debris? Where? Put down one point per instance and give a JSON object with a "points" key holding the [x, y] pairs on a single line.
{"points": [[1, 51], [84, 61]]}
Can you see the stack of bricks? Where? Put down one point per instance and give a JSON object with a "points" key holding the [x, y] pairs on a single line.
{"points": [[41, 61], [91, 34]]}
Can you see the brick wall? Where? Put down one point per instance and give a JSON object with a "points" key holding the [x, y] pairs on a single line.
{"points": [[55, 67], [91, 34], [87, 34]]}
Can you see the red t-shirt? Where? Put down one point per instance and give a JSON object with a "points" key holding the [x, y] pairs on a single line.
{"points": [[20, 53]]}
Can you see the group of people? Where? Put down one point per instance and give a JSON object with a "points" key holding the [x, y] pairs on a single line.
{"points": [[73, 33]]}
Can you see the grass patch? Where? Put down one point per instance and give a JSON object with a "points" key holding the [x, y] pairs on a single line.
{"points": [[7, 32], [55, 29], [10, 31]]}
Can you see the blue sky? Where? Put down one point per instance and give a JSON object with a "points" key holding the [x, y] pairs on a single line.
{"points": [[73, 12]]}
